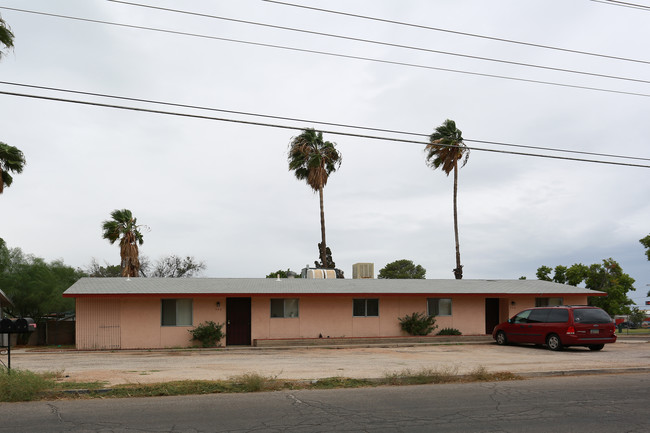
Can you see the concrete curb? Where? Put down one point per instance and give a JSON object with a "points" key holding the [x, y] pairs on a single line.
{"points": [[587, 372]]}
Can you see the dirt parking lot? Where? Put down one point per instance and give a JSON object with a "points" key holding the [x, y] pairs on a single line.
{"points": [[313, 363]]}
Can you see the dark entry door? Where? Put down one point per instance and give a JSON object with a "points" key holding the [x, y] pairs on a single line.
{"points": [[238, 321], [491, 314]]}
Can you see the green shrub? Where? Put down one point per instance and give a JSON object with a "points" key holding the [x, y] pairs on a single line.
{"points": [[22, 385], [449, 331], [418, 323], [208, 333]]}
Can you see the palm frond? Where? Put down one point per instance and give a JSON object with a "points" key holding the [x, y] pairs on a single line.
{"points": [[446, 147], [124, 226], [6, 36], [312, 159]]}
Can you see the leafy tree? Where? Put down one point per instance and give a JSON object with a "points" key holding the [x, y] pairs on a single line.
{"points": [[402, 269], [636, 316], [35, 286], [95, 270], [444, 151], [177, 267], [6, 37], [572, 275], [646, 243], [11, 160], [124, 227], [283, 274], [606, 277], [313, 160]]}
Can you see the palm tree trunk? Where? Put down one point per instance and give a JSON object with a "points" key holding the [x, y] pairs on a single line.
{"points": [[458, 272], [323, 246]]}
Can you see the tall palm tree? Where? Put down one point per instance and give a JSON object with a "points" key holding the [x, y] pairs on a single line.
{"points": [[11, 160], [6, 36], [444, 150], [313, 160], [124, 227]]}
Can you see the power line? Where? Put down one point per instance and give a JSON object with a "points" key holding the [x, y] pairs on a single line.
{"points": [[511, 41], [310, 121], [623, 4], [271, 125], [382, 43], [331, 54]]}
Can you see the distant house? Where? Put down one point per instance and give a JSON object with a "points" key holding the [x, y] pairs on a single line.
{"points": [[123, 313]]}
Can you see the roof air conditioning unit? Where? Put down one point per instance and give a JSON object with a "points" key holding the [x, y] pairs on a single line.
{"points": [[363, 270]]}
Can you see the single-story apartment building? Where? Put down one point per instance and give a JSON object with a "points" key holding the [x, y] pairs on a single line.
{"points": [[130, 313]]}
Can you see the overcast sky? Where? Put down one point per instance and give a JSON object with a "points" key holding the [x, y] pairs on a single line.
{"points": [[221, 191]]}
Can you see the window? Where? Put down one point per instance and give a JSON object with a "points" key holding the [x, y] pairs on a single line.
{"points": [[558, 315], [539, 316], [365, 307], [439, 306], [176, 312], [548, 302], [591, 315], [284, 307], [521, 317]]}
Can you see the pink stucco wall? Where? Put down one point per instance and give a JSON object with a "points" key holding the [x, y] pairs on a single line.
{"points": [[135, 322]]}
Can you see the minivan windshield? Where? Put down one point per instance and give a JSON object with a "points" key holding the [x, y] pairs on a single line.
{"points": [[590, 315]]}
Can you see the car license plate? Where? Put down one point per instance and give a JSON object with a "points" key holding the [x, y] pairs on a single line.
{"points": [[594, 331]]}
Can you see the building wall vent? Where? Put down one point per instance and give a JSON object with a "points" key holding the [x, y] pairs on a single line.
{"points": [[363, 270]]}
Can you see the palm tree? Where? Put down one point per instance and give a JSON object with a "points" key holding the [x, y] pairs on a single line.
{"points": [[124, 227], [313, 160], [6, 36], [444, 150], [11, 159]]}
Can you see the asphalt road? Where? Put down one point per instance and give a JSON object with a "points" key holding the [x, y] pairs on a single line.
{"points": [[594, 404]]}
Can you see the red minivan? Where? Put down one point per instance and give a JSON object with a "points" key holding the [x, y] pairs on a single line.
{"points": [[558, 327]]}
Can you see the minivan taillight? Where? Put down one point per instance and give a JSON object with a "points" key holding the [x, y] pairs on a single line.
{"points": [[571, 330]]}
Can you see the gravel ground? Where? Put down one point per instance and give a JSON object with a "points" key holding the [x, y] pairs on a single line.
{"points": [[314, 363]]}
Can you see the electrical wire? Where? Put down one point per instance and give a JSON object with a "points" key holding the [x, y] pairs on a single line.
{"points": [[474, 35], [382, 43], [309, 121], [347, 134], [338, 55], [623, 4]]}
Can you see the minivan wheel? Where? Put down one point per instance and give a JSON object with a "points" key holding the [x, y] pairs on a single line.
{"points": [[501, 338], [596, 347], [553, 342]]}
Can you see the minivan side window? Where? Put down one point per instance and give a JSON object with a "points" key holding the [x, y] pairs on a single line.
{"points": [[558, 315], [538, 316], [521, 317]]}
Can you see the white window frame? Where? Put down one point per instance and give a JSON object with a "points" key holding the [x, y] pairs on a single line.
{"points": [[365, 307], [290, 308], [440, 306], [183, 312]]}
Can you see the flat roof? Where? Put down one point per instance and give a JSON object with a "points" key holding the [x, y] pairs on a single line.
{"points": [[312, 287]]}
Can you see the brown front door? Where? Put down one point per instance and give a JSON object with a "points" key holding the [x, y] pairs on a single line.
{"points": [[491, 314], [238, 321]]}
